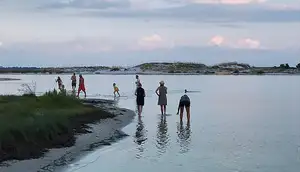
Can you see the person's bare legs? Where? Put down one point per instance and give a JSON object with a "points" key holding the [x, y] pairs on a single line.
{"points": [[165, 109], [181, 113], [84, 93], [139, 110], [162, 109], [78, 93], [188, 115]]}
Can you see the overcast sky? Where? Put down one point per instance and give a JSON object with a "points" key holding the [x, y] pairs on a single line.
{"points": [[128, 32]]}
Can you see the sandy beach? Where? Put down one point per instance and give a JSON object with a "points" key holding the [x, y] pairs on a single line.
{"points": [[102, 133]]}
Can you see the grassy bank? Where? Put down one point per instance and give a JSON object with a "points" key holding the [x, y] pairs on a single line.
{"points": [[29, 125]]}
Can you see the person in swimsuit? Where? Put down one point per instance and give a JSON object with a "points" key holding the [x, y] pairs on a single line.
{"points": [[59, 82], [140, 98], [73, 79], [184, 102], [81, 86], [116, 89], [161, 92]]}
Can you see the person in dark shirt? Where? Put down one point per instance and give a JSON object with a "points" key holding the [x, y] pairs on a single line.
{"points": [[184, 102], [140, 98]]}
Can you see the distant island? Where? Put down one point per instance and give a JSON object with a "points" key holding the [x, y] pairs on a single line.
{"points": [[159, 68]]}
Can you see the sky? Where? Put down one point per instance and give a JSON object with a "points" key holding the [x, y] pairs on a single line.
{"points": [[129, 32]]}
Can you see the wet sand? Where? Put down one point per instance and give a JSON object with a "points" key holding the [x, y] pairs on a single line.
{"points": [[102, 133]]}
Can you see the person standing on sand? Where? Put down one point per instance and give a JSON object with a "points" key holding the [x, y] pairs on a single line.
{"points": [[81, 86], [140, 98], [73, 79], [184, 102], [59, 82], [161, 92]]}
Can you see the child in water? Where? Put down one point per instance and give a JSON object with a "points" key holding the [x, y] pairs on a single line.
{"points": [[116, 89]]}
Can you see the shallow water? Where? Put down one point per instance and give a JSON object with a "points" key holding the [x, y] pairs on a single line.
{"points": [[238, 123]]}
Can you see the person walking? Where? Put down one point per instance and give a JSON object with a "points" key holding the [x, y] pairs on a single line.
{"points": [[59, 82], [140, 98], [161, 92], [116, 90], [81, 86]]}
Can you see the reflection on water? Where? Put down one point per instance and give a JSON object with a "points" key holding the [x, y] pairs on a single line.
{"points": [[162, 135], [140, 137], [184, 137]]}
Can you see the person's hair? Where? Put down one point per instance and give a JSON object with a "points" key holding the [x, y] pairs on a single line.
{"points": [[73, 73], [114, 83]]}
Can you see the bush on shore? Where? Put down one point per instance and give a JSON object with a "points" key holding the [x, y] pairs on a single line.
{"points": [[30, 124]]}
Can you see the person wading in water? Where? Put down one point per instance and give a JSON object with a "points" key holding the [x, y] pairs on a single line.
{"points": [[161, 92], [184, 102], [140, 98]]}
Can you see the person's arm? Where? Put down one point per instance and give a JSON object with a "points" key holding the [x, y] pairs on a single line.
{"points": [[135, 93], [144, 94], [166, 90], [157, 92]]}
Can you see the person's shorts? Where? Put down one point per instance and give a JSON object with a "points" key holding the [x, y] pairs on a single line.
{"points": [[74, 84], [185, 104]]}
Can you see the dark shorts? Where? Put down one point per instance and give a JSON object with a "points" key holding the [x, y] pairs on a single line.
{"points": [[74, 84], [185, 104]]}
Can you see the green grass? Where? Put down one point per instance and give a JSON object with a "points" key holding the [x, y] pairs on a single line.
{"points": [[36, 122]]}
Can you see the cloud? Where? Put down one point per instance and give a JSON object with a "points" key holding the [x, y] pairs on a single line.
{"points": [[217, 40], [246, 43], [209, 12], [153, 41], [1, 43], [89, 4], [249, 43], [232, 2]]}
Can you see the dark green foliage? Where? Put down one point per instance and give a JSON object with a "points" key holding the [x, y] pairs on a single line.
{"points": [[29, 124]]}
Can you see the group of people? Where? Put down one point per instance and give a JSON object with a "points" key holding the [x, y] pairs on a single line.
{"points": [[140, 94], [81, 85], [161, 92]]}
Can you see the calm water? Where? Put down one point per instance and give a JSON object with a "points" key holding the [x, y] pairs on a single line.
{"points": [[238, 123]]}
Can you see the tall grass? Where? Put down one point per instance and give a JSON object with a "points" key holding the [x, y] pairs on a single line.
{"points": [[28, 123]]}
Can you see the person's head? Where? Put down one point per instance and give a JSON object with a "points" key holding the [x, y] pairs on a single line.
{"points": [[80, 76], [136, 76], [114, 84], [74, 74], [161, 83], [185, 91]]}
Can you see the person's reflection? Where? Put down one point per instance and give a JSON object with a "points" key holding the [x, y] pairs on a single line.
{"points": [[140, 136], [162, 135], [116, 99], [184, 136]]}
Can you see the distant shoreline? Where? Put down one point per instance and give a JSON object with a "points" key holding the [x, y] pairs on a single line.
{"points": [[146, 73], [9, 79], [160, 68]]}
